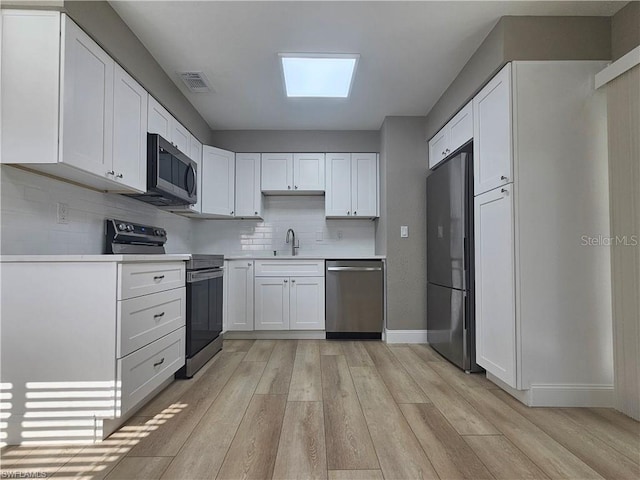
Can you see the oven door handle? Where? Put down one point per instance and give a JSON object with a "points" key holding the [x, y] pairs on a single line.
{"points": [[204, 275]]}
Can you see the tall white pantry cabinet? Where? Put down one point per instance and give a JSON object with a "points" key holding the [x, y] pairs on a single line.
{"points": [[543, 306]]}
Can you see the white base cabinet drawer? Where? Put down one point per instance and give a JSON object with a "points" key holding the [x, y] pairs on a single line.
{"points": [[144, 370], [292, 268], [145, 319], [137, 279]]}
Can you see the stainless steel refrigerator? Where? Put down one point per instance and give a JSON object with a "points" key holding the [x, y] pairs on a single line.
{"points": [[450, 277]]}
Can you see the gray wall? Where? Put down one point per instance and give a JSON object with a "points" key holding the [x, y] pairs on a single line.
{"points": [[625, 30], [404, 156], [297, 140], [522, 38], [104, 25]]}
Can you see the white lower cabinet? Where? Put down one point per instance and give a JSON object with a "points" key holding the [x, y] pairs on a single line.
{"points": [[125, 329], [289, 303], [306, 303], [146, 369], [272, 303], [289, 295], [240, 296], [495, 281]]}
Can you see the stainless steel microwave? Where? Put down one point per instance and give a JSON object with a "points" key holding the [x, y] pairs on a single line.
{"points": [[171, 175]]}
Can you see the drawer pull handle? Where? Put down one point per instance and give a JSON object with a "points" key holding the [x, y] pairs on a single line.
{"points": [[158, 277], [158, 315], [159, 363]]}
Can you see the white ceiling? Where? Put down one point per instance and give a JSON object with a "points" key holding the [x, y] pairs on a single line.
{"points": [[409, 53]]}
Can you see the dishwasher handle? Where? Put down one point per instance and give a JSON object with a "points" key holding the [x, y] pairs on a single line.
{"points": [[354, 269]]}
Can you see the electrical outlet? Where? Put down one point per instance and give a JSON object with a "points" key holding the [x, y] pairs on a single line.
{"points": [[63, 212], [404, 231]]}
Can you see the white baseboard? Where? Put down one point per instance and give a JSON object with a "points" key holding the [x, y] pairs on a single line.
{"points": [[276, 335], [560, 395], [545, 395], [405, 336]]}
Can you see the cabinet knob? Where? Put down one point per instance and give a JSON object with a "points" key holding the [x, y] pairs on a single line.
{"points": [[288, 187], [249, 264], [355, 213], [159, 363], [255, 213], [444, 153], [447, 150], [296, 187], [293, 281], [348, 212], [119, 175], [286, 281], [231, 212], [504, 190], [111, 172], [502, 177]]}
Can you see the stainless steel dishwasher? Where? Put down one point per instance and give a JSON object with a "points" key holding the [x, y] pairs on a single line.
{"points": [[354, 305]]}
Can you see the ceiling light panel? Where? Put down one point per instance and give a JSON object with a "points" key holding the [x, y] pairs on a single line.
{"points": [[318, 75]]}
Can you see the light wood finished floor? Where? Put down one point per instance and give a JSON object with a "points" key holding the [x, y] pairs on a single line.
{"points": [[313, 409]]}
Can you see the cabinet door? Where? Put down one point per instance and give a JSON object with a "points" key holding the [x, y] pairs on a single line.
{"points": [[438, 146], [248, 193], [364, 184], [239, 278], [306, 303], [195, 154], [129, 131], [492, 149], [337, 200], [87, 103], [180, 136], [495, 283], [277, 172], [461, 127], [218, 181], [272, 303], [159, 119], [308, 172]]}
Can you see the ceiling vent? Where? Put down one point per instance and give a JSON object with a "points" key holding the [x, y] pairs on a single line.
{"points": [[196, 82]]}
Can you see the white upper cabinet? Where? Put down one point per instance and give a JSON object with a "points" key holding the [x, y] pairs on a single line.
{"points": [[67, 108], [289, 173], [351, 185], [495, 283], [218, 182], [457, 132], [364, 184], [492, 134], [337, 200], [129, 130], [308, 172], [247, 189], [159, 120], [164, 124], [195, 154], [180, 136], [277, 172], [87, 103]]}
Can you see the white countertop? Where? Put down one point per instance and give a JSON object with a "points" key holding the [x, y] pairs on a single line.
{"points": [[305, 257], [95, 258]]}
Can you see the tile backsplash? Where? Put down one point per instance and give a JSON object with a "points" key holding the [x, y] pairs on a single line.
{"points": [[305, 214], [28, 216], [29, 224]]}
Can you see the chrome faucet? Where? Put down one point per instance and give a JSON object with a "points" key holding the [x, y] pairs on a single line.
{"points": [[291, 236]]}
